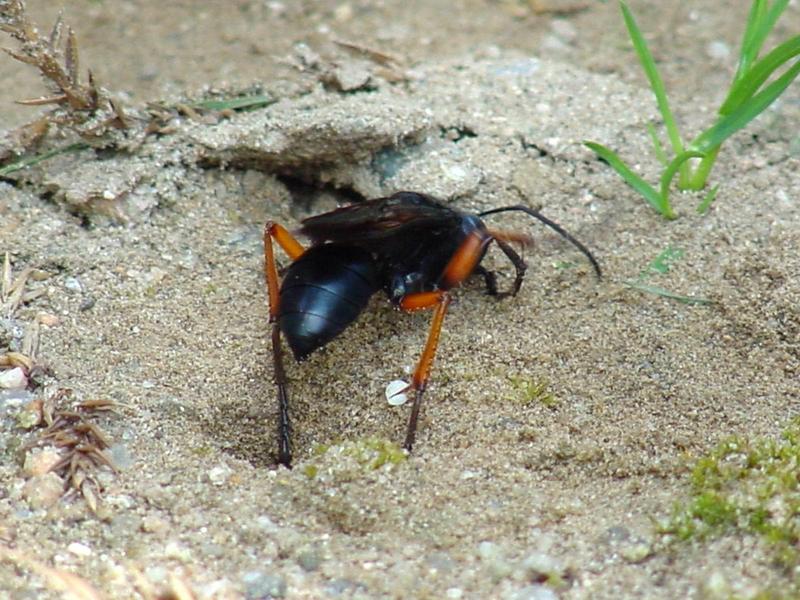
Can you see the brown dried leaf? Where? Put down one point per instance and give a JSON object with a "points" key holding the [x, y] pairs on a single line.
{"points": [[375, 56], [30, 343], [31, 134], [98, 404], [87, 490], [24, 58], [58, 99], [16, 359]]}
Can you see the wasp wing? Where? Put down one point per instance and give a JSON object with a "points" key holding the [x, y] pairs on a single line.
{"points": [[375, 221]]}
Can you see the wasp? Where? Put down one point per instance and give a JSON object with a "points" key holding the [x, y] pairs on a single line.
{"points": [[410, 245]]}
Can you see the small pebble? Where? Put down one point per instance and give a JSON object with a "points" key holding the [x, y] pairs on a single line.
{"points": [[48, 319], [43, 491], [40, 461], [154, 524], [350, 77], [454, 593], [716, 586], [121, 456], [488, 550], [30, 416], [636, 552], [220, 475], [73, 284], [259, 585], [87, 303], [178, 551], [310, 559], [532, 592], [13, 379], [540, 565], [339, 587], [719, 51], [156, 573], [79, 549]]}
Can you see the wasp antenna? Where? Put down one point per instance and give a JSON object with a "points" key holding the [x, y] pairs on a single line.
{"points": [[554, 226]]}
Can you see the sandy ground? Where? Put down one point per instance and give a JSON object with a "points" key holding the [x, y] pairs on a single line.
{"points": [[507, 494]]}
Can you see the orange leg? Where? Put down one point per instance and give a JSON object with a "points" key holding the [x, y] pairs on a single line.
{"points": [[461, 266], [274, 231], [441, 300]]}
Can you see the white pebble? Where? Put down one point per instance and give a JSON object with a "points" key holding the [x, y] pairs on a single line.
{"points": [[79, 549], [219, 475], [718, 50], [13, 379], [73, 284], [396, 392]]}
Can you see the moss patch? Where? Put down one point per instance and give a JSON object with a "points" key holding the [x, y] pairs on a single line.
{"points": [[751, 487]]}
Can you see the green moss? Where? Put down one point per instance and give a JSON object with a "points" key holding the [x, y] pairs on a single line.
{"points": [[353, 457], [373, 453], [529, 391], [749, 487]]}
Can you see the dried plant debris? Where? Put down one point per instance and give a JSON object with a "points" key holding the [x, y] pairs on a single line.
{"points": [[13, 292], [177, 589], [349, 67], [81, 107], [58, 580], [79, 442], [19, 339]]}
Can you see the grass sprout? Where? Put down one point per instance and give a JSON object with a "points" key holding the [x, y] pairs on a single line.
{"points": [[755, 86], [661, 265]]}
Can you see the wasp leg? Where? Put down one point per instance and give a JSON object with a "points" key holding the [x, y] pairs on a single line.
{"points": [[489, 279], [461, 265], [441, 300], [275, 231], [520, 266]]}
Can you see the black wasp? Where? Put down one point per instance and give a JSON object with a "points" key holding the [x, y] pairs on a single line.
{"points": [[410, 245]]}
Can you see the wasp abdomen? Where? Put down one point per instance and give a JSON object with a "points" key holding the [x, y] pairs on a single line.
{"points": [[322, 293]]}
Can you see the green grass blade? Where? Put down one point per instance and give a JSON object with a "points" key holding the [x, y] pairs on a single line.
{"points": [[647, 191], [24, 163], [237, 103], [758, 31], [662, 263], [656, 83], [746, 54], [739, 118], [701, 172], [672, 168], [703, 207], [657, 147], [665, 293], [748, 84]]}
